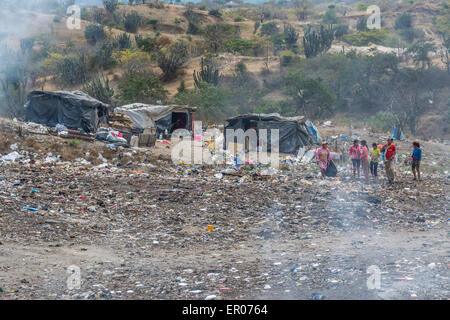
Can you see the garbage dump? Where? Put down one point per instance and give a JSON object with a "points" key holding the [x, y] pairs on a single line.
{"points": [[137, 224]]}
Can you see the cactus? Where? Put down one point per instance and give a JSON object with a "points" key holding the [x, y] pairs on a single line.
{"points": [[316, 42], [207, 74]]}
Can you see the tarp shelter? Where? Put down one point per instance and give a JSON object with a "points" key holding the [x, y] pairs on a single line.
{"points": [[75, 110], [161, 117], [293, 132]]}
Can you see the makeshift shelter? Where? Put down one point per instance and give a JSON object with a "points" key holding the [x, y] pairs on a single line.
{"points": [[160, 117], [75, 110], [293, 132]]}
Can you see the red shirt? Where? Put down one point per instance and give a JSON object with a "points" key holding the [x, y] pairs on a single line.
{"points": [[364, 153], [390, 151]]}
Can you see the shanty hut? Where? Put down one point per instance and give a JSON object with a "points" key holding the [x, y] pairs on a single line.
{"points": [[75, 110], [294, 132], [162, 118]]}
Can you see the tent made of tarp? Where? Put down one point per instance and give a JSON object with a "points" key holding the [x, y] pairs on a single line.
{"points": [[161, 117], [75, 110], [293, 131]]}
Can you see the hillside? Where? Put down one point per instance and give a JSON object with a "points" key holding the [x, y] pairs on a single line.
{"points": [[253, 37]]}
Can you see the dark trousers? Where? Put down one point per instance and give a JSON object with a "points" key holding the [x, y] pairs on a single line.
{"points": [[374, 168]]}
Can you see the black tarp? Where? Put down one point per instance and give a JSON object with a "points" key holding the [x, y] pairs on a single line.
{"points": [[74, 109], [331, 170], [293, 133]]}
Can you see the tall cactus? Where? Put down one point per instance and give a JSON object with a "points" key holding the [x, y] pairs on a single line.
{"points": [[207, 74], [316, 42]]}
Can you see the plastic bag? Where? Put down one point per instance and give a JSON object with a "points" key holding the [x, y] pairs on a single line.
{"points": [[331, 170]]}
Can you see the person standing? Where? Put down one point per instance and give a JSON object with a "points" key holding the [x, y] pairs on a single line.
{"points": [[355, 155], [416, 159], [375, 155], [365, 159], [390, 152], [323, 156]]}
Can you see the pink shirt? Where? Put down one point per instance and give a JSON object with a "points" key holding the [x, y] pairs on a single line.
{"points": [[355, 152], [319, 153]]}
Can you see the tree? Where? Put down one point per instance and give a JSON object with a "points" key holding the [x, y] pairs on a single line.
{"points": [[141, 86], [171, 59], [218, 34], [403, 22], [413, 91], [330, 17], [269, 29], [311, 96], [303, 9], [420, 52], [111, 5], [212, 102]]}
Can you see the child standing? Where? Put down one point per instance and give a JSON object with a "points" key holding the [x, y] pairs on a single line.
{"points": [[416, 158], [365, 159], [355, 155], [375, 155], [389, 157]]}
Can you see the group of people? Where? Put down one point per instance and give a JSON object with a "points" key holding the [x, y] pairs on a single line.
{"points": [[361, 156]]}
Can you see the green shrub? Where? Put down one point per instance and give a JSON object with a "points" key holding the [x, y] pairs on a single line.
{"points": [[132, 22], [288, 57], [152, 22], [269, 28], [361, 24], [238, 19], [141, 86], [411, 34], [192, 29], [74, 143], [363, 38], [103, 58], [404, 21], [241, 46], [110, 5], [384, 120], [123, 42], [71, 70], [215, 13], [94, 33], [362, 6], [100, 89], [340, 31], [147, 44]]}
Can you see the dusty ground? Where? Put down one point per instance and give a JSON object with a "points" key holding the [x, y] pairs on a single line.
{"points": [[139, 230]]}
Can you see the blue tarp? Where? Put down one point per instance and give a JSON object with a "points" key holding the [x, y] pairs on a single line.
{"points": [[313, 130]]}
